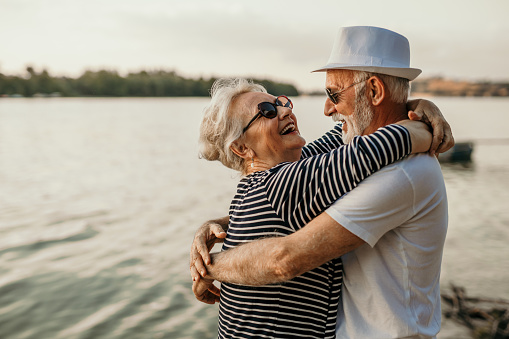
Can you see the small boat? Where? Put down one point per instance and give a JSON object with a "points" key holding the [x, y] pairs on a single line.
{"points": [[460, 152]]}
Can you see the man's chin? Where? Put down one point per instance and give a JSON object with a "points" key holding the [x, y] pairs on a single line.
{"points": [[347, 137]]}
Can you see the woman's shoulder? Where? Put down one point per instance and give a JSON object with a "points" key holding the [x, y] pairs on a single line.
{"points": [[282, 171], [261, 177], [254, 178]]}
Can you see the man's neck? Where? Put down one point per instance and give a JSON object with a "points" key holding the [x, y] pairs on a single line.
{"points": [[385, 115]]}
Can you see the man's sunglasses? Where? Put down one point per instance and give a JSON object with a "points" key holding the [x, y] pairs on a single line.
{"points": [[269, 109], [334, 96]]}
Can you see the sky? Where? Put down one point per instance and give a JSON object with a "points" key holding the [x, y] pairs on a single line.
{"points": [[279, 40]]}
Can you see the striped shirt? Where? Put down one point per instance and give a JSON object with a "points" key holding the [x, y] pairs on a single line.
{"points": [[280, 201]]}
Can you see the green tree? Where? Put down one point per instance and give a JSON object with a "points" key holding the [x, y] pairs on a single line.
{"points": [[158, 83]]}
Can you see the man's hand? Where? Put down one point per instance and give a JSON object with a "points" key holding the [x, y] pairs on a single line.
{"points": [[429, 113], [205, 291], [206, 237]]}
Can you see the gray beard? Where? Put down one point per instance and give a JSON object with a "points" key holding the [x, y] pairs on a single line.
{"points": [[360, 120]]}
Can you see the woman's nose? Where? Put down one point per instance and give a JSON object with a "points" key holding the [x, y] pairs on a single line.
{"points": [[284, 112], [329, 108]]}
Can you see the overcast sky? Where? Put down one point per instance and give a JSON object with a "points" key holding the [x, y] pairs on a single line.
{"points": [[280, 40]]}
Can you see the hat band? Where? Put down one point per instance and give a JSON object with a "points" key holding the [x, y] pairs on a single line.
{"points": [[365, 60]]}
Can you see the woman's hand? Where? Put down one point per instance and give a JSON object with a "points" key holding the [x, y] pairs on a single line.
{"points": [[210, 233], [427, 112], [419, 135]]}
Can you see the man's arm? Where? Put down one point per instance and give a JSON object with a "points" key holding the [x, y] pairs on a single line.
{"points": [[283, 258], [210, 233]]}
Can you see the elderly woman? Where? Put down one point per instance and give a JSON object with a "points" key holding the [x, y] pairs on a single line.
{"points": [[286, 185]]}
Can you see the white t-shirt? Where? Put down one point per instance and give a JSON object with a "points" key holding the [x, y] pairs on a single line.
{"points": [[391, 284]]}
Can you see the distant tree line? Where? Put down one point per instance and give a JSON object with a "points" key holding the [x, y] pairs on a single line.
{"points": [[106, 83], [439, 86], [161, 83]]}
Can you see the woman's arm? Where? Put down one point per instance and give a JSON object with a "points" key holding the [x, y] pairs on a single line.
{"points": [[326, 143], [418, 110], [420, 135], [300, 191], [427, 112]]}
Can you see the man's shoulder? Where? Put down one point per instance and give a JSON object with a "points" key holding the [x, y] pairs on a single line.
{"points": [[420, 171], [416, 163], [416, 170]]}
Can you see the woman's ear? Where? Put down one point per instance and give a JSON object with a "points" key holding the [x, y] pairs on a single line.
{"points": [[241, 149], [376, 89]]}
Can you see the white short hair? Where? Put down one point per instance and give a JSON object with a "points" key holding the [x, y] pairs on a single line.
{"points": [[220, 127], [399, 88]]}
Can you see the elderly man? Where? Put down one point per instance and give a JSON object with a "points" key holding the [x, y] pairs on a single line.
{"points": [[390, 230]]}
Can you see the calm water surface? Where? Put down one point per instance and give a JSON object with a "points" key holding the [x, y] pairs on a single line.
{"points": [[100, 199]]}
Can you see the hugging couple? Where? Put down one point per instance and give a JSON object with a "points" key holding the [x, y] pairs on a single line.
{"points": [[341, 237]]}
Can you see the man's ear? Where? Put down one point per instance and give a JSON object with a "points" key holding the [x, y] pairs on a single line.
{"points": [[376, 90], [241, 149]]}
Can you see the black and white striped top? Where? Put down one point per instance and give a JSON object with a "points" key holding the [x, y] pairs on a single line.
{"points": [[280, 201]]}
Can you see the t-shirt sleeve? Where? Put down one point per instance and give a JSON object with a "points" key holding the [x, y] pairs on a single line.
{"points": [[300, 191], [379, 204], [326, 143]]}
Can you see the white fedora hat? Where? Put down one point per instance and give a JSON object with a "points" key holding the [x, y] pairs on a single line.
{"points": [[371, 49]]}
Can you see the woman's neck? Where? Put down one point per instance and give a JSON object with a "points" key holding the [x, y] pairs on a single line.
{"points": [[257, 164]]}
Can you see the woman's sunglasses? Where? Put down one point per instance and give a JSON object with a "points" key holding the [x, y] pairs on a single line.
{"points": [[269, 109]]}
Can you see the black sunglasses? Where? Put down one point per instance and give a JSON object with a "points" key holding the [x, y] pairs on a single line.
{"points": [[334, 96], [269, 109]]}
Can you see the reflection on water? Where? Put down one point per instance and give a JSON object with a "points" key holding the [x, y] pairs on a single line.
{"points": [[100, 199]]}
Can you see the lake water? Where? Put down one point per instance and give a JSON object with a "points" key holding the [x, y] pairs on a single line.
{"points": [[100, 199]]}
